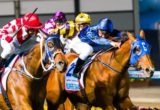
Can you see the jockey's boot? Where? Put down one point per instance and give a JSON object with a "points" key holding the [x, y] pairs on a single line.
{"points": [[2, 63], [78, 67]]}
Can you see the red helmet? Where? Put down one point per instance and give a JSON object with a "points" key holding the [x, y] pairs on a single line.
{"points": [[32, 21]]}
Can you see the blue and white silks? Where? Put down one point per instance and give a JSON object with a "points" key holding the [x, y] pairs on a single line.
{"points": [[90, 36]]}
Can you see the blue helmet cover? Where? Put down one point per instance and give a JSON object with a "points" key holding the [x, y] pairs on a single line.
{"points": [[106, 25]]}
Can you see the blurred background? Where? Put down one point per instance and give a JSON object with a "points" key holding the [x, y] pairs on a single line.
{"points": [[127, 15]]}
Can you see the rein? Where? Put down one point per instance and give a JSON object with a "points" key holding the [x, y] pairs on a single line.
{"points": [[108, 65], [105, 64], [51, 60], [26, 73]]}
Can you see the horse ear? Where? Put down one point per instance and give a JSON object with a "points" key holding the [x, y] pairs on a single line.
{"points": [[131, 36], [142, 34]]}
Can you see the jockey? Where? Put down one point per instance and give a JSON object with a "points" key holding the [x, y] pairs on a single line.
{"points": [[83, 20], [15, 33], [58, 24], [92, 39], [58, 20]]}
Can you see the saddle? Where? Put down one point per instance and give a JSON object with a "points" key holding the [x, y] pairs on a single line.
{"points": [[73, 84]]}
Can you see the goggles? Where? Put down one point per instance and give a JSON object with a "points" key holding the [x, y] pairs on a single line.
{"points": [[60, 21], [103, 31]]}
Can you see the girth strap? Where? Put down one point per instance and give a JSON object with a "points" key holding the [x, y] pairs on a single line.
{"points": [[5, 96], [85, 97]]}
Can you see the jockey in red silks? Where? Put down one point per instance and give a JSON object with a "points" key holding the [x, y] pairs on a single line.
{"points": [[15, 33]]}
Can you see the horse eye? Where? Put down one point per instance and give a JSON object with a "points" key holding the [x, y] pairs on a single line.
{"points": [[137, 50], [50, 44]]}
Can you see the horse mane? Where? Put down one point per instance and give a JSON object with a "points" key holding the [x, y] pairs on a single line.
{"points": [[29, 51], [123, 39]]}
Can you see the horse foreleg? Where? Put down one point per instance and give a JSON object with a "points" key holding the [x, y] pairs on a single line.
{"points": [[127, 104], [3, 105], [109, 107], [22, 106], [20, 102], [59, 106], [124, 102], [68, 105], [82, 106], [51, 106]]}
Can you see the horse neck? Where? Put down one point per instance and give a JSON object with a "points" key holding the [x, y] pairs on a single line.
{"points": [[123, 54], [33, 60], [70, 57], [118, 59]]}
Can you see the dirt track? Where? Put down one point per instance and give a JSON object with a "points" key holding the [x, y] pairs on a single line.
{"points": [[146, 96]]}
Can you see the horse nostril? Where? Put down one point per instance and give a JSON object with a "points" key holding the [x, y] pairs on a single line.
{"points": [[147, 70]]}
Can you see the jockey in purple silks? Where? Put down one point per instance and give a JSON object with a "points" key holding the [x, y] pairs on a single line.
{"points": [[58, 19]]}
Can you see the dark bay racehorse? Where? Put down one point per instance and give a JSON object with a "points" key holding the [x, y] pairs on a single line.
{"points": [[106, 80], [26, 82]]}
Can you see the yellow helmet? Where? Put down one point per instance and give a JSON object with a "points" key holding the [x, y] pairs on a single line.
{"points": [[83, 18]]}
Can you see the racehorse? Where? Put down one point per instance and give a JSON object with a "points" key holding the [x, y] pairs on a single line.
{"points": [[26, 83], [106, 80], [55, 93]]}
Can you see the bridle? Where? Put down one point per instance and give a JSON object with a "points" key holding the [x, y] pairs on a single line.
{"points": [[26, 73]]}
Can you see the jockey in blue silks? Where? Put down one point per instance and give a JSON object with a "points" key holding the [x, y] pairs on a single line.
{"points": [[92, 39]]}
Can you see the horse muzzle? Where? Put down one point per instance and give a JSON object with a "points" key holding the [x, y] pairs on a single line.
{"points": [[148, 72]]}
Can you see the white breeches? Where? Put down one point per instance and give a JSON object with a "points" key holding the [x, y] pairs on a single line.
{"points": [[8, 49], [81, 48], [14, 48]]}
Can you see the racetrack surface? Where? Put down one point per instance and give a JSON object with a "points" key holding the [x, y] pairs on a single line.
{"points": [[146, 96]]}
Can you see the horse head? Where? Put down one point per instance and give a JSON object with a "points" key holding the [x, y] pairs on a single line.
{"points": [[27, 92], [55, 51], [140, 54]]}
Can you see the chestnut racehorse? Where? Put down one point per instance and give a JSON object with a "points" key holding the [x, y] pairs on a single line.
{"points": [[26, 82], [106, 80]]}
